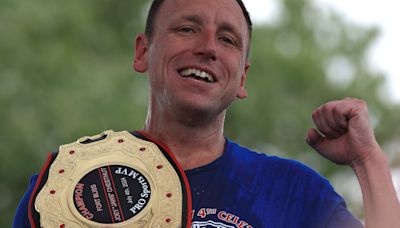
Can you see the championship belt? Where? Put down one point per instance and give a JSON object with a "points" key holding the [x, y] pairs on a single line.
{"points": [[114, 179]]}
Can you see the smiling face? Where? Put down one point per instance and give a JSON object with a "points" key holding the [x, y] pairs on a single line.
{"points": [[196, 60]]}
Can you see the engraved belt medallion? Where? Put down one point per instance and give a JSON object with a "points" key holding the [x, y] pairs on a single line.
{"points": [[115, 179]]}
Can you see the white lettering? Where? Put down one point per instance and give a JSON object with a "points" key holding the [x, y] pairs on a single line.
{"points": [[78, 195], [96, 197], [138, 206]]}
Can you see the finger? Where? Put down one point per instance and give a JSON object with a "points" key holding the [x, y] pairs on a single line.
{"points": [[340, 120], [314, 138], [325, 123], [352, 107], [329, 113]]}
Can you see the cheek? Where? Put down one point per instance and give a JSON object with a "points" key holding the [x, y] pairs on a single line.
{"points": [[238, 70], [157, 59], [236, 59], [164, 52], [155, 51]]}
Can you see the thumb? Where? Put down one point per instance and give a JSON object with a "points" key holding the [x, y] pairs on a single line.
{"points": [[314, 138]]}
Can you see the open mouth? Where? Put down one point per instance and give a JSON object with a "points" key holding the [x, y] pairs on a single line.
{"points": [[196, 74]]}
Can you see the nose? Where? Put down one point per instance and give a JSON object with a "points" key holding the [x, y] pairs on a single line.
{"points": [[206, 46]]}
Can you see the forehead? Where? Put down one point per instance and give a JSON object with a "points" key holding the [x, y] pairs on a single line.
{"points": [[211, 11]]}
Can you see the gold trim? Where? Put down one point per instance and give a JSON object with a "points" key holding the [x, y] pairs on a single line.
{"points": [[55, 200]]}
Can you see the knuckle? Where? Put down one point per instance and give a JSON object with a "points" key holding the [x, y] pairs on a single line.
{"points": [[314, 114], [326, 108], [361, 104], [317, 112]]}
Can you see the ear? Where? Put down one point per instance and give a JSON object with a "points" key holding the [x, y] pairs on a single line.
{"points": [[141, 50], [242, 93]]}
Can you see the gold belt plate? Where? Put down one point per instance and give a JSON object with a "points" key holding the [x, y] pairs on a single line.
{"points": [[118, 181]]}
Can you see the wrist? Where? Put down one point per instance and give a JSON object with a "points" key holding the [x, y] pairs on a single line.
{"points": [[374, 159], [373, 173]]}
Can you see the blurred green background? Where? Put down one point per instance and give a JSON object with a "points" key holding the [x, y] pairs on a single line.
{"points": [[65, 72]]}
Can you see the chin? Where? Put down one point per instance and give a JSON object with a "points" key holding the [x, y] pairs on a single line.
{"points": [[197, 114]]}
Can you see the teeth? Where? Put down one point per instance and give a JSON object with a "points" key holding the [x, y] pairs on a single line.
{"points": [[197, 73]]}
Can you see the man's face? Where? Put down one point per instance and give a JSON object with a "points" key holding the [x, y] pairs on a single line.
{"points": [[196, 59]]}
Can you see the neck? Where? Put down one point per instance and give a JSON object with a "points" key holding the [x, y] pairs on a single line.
{"points": [[193, 145]]}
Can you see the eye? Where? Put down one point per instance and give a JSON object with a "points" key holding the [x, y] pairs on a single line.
{"points": [[228, 40], [186, 29]]}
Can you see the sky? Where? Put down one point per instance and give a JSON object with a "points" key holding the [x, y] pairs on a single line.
{"points": [[385, 52]]}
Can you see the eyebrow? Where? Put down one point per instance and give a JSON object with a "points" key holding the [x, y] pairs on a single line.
{"points": [[231, 29]]}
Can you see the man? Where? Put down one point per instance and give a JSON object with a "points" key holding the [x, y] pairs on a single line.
{"points": [[195, 55]]}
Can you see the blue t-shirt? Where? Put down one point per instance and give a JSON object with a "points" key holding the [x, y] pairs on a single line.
{"points": [[246, 189]]}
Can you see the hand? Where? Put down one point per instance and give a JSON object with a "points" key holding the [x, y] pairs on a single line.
{"points": [[343, 132], [344, 135]]}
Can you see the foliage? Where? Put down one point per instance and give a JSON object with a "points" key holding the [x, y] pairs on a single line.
{"points": [[309, 57], [66, 72]]}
